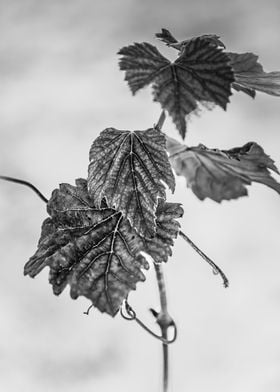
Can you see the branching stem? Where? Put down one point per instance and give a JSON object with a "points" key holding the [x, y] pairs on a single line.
{"points": [[131, 316], [163, 318]]}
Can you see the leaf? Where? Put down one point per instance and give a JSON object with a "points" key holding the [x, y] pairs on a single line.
{"points": [[166, 37], [250, 76], [201, 75], [159, 247], [93, 250], [128, 169], [248, 72], [222, 174]]}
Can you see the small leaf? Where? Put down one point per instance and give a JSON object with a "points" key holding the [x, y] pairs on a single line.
{"points": [[159, 247], [127, 168], [166, 37], [93, 250], [201, 75], [250, 76], [222, 174]]}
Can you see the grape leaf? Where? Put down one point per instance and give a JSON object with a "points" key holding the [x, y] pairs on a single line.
{"points": [[127, 168], [159, 247], [250, 76], [94, 250], [166, 37], [201, 75], [222, 174], [248, 72]]}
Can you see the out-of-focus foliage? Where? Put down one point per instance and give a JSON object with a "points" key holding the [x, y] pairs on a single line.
{"points": [[250, 76], [222, 174]]}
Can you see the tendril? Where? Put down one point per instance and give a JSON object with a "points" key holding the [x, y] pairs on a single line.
{"points": [[88, 310], [26, 183], [131, 315], [217, 270]]}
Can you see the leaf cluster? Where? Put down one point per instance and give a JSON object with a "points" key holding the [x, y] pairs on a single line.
{"points": [[204, 74], [99, 231]]}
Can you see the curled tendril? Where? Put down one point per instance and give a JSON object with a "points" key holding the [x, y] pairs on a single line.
{"points": [[130, 315], [88, 310]]}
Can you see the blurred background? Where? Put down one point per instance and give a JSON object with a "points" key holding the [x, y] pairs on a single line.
{"points": [[60, 86]]}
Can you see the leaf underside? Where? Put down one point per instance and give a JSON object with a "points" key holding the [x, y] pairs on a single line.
{"points": [[222, 174], [94, 250], [250, 76], [201, 75], [160, 246], [128, 169]]}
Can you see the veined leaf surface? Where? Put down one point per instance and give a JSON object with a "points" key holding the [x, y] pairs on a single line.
{"points": [[160, 246], [249, 74], [200, 75], [222, 174], [128, 169], [94, 250]]}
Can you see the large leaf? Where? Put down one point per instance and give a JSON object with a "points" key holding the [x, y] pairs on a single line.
{"points": [[93, 250], [201, 75], [250, 76], [248, 72], [222, 174], [160, 246], [127, 168]]}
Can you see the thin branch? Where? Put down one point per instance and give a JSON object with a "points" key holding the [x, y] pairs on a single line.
{"points": [[26, 183], [216, 269]]}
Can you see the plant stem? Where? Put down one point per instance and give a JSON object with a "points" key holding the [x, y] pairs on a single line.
{"points": [[163, 318], [164, 321], [161, 120]]}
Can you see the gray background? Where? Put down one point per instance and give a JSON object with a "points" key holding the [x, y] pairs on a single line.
{"points": [[60, 86]]}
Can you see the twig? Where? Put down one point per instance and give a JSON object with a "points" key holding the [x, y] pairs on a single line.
{"points": [[26, 183], [216, 269]]}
